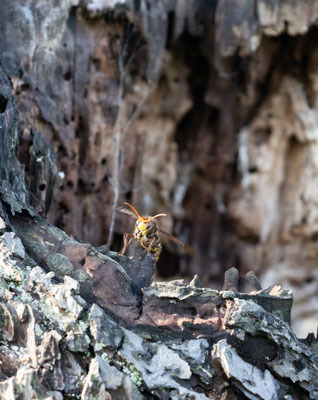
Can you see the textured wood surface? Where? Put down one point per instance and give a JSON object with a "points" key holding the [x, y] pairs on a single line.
{"points": [[203, 109]]}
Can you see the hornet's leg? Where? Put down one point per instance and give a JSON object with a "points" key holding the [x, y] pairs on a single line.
{"points": [[148, 249], [128, 237], [154, 242]]}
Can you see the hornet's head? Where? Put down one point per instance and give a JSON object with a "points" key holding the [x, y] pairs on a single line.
{"points": [[145, 223]]}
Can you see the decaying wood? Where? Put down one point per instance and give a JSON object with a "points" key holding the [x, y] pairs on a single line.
{"points": [[78, 321], [84, 322], [221, 84], [212, 106]]}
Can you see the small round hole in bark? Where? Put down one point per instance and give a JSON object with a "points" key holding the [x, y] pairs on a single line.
{"points": [[309, 279], [70, 184], [42, 187], [25, 87], [252, 170], [97, 63], [63, 207], [103, 161], [68, 75], [3, 103], [128, 195]]}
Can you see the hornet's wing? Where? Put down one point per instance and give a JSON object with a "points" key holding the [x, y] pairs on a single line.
{"points": [[187, 248]]}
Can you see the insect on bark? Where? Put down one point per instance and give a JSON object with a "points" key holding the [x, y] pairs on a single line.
{"points": [[146, 232]]}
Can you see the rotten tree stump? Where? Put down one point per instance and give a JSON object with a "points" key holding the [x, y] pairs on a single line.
{"points": [[76, 322]]}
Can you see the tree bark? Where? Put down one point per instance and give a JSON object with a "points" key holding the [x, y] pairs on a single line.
{"points": [[205, 108]]}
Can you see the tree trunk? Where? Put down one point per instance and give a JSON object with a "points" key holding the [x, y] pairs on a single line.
{"points": [[203, 109]]}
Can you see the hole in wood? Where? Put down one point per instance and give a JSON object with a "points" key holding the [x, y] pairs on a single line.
{"points": [[3, 103], [68, 75], [25, 87]]}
